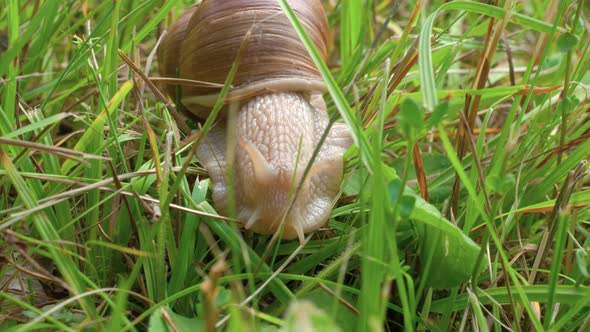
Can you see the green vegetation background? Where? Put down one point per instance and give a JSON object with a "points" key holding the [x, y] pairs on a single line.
{"points": [[464, 204]]}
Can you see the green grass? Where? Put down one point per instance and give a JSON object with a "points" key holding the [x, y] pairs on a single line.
{"points": [[465, 196]]}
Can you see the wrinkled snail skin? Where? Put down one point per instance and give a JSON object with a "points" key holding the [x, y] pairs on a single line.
{"points": [[277, 135], [281, 117]]}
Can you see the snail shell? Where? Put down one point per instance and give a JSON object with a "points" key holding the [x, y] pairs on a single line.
{"points": [[282, 114]]}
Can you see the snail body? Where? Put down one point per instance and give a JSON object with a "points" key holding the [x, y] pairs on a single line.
{"points": [[282, 115]]}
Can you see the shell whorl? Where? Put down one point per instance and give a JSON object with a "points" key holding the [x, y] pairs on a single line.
{"points": [[205, 41]]}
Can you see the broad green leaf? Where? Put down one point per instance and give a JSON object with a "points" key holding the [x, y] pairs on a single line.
{"points": [[407, 205], [305, 316], [581, 265], [567, 41], [343, 316], [454, 253], [436, 166], [159, 323], [410, 118], [438, 114]]}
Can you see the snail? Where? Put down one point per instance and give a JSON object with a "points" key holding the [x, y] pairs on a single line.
{"points": [[281, 116]]}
